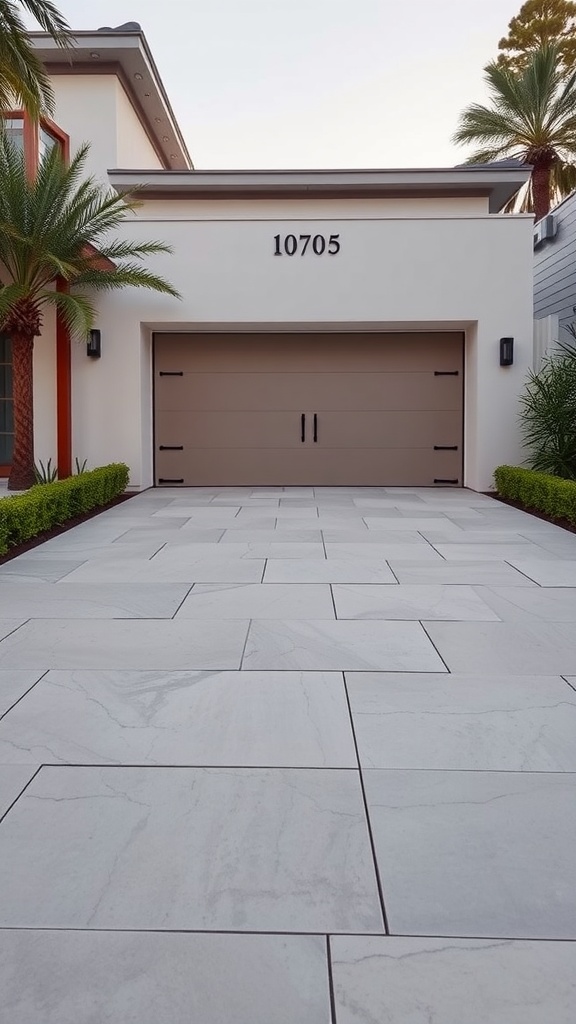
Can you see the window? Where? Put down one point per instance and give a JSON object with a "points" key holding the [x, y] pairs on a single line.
{"points": [[15, 131], [6, 414], [47, 142]]}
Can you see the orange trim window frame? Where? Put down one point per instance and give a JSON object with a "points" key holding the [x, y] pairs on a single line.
{"points": [[31, 144]]}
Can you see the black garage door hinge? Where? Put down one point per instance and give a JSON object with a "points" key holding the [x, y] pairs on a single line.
{"points": [[171, 447], [438, 480], [446, 373], [171, 373], [445, 447], [166, 480]]}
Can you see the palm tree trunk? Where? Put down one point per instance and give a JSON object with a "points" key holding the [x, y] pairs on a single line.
{"points": [[22, 471], [541, 189]]}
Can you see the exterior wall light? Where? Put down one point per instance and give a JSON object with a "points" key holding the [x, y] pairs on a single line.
{"points": [[94, 345], [506, 351]]}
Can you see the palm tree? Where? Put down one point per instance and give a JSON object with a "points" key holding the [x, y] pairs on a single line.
{"points": [[531, 118], [23, 78], [57, 226]]}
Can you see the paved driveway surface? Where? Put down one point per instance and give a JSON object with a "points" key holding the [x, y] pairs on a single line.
{"points": [[290, 756]]}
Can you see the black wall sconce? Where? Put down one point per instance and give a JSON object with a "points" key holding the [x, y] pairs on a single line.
{"points": [[506, 351], [94, 345]]}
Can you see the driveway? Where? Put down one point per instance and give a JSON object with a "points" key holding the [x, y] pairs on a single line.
{"points": [[290, 756]]}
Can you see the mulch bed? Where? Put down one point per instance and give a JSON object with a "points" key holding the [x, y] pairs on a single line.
{"points": [[21, 549], [564, 524]]}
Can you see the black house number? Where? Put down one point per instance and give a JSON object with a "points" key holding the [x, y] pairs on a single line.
{"points": [[294, 245]]}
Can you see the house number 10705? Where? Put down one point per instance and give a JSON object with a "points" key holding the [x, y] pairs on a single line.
{"points": [[293, 245]]}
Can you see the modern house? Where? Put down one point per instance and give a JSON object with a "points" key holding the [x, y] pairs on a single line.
{"points": [[336, 327]]}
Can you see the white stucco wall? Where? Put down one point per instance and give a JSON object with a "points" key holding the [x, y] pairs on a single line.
{"points": [[45, 391], [470, 272], [95, 108]]}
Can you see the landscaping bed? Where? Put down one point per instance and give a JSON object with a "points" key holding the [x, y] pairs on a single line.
{"points": [[47, 510], [547, 497]]}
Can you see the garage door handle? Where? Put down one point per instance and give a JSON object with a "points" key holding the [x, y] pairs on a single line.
{"points": [[303, 427], [315, 428]]}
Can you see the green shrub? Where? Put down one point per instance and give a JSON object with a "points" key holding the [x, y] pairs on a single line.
{"points": [[24, 516], [548, 417], [541, 491]]}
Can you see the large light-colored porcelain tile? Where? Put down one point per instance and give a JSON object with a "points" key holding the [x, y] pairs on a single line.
{"points": [[452, 536], [196, 570], [372, 537], [492, 552], [8, 626], [13, 779], [203, 536], [321, 645], [258, 601], [266, 719], [134, 978], [123, 552], [92, 600], [402, 524], [42, 568], [553, 572], [13, 685], [468, 723], [271, 536], [460, 981], [478, 854], [399, 551], [200, 514], [124, 643], [247, 523], [358, 601], [249, 850], [523, 604], [487, 573], [328, 571], [492, 648]]}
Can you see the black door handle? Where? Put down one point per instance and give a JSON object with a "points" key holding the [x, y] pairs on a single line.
{"points": [[315, 427], [303, 427]]}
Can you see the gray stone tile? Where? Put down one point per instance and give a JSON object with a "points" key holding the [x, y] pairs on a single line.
{"points": [[472, 552], [8, 626], [321, 645], [492, 648], [522, 604], [358, 601], [267, 719], [235, 839], [257, 601], [386, 538], [40, 568], [392, 551], [452, 536], [328, 571], [487, 573], [278, 536], [124, 643], [401, 524], [476, 854], [461, 981], [133, 978], [200, 536], [42, 600], [14, 683], [459, 722], [13, 779], [553, 572], [197, 570]]}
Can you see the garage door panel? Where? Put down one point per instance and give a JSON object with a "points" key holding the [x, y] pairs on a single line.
{"points": [[301, 391], [244, 429], [291, 467], [360, 429], [269, 353]]}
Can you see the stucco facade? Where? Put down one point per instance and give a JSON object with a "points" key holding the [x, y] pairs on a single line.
{"points": [[418, 251]]}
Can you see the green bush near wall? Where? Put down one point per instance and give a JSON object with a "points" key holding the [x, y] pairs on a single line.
{"points": [[24, 516], [549, 494]]}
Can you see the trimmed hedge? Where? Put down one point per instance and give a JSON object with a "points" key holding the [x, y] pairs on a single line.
{"points": [[540, 491], [24, 516]]}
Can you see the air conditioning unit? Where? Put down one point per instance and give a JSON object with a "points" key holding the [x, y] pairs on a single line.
{"points": [[545, 228]]}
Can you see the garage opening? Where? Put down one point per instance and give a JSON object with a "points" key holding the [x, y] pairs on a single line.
{"points": [[295, 409]]}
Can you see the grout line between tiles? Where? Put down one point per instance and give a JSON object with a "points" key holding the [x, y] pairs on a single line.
{"points": [[366, 811], [31, 779], [21, 697], [422, 626], [330, 982], [250, 621], [189, 591], [566, 680]]}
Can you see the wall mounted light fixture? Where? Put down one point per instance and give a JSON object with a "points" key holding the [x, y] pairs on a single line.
{"points": [[506, 351], [94, 345]]}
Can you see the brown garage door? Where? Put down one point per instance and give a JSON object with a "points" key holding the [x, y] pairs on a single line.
{"points": [[283, 409]]}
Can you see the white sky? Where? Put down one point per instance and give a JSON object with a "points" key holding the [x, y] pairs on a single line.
{"points": [[315, 83]]}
